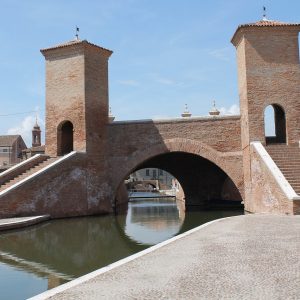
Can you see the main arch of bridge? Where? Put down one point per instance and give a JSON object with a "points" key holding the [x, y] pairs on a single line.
{"points": [[202, 171]]}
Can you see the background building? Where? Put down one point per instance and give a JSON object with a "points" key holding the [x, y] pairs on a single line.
{"points": [[37, 147], [11, 147], [164, 178]]}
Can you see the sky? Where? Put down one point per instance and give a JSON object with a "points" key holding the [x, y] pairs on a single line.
{"points": [[167, 53]]}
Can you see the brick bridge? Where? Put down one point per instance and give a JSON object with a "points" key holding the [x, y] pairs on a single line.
{"points": [[224, 157]]}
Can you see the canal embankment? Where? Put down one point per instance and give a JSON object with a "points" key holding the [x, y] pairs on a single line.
{"points": [[241, 257], [20, 222]]}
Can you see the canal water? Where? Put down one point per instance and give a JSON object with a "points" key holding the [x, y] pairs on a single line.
{"points": [[43, 256]]}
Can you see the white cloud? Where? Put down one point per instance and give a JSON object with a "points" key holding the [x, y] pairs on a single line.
{"points": [[25, 128], [232, 110], [165, 81], [129, 82]]}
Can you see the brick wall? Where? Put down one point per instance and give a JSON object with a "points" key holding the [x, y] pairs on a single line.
{"points": [[76, 91]]}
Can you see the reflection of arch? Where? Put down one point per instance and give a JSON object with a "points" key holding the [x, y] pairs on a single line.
{"points": [[279, 122], [231, 164], [64, 138], [142, 184]]}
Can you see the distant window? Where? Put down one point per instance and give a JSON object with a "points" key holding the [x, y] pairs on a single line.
{"points": [[4, 150], [147, 172], [154, 173], [161, 173]]}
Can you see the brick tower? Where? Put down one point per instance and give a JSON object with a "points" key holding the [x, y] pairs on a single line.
{"points": [[268, 74], [36, 135], [76, 97]]}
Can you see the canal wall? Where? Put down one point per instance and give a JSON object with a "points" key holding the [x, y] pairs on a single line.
{"points": [[213, 261]]}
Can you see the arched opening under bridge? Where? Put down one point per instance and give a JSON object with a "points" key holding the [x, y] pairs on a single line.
{"points": [[204, 184]]}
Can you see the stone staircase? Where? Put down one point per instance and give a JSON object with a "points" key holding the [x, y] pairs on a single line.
{"points": [[287, 158], [27, 173]]}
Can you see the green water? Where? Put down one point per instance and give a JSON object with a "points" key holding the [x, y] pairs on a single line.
{"points": [[40, 257]]}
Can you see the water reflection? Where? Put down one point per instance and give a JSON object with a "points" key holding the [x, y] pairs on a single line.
{"points": [[152, 221], [49, 254]]}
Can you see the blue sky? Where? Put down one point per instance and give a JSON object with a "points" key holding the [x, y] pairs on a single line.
{"points": [[166, 52]]}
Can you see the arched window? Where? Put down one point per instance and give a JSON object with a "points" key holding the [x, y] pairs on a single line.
{"points": [[64, 138], [275, 124]]}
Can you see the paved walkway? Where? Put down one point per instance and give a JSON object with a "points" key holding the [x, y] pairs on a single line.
{"points": [[13, 223], [244, 257]]}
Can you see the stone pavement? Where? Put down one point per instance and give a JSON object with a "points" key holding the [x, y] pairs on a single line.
{"points": [[14, 223], [243, 257]]}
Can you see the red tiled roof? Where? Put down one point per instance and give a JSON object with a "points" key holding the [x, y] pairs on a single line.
{"points": [[74, 42], [268, 23], [264, 23], [8, 140]]}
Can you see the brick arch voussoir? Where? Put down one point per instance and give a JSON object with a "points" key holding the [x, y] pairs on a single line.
{"points": [[177, 145]]}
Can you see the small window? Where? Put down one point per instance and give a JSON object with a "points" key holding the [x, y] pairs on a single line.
{"points": [[147, 172], [4, 150], [154, 173], [161, 173]]}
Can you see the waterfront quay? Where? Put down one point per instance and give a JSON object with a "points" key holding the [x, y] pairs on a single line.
{"points": [[241, 257]]}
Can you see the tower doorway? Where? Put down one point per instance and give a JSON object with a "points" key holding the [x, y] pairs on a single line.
{"points": [[275, 124], [65, 138]]}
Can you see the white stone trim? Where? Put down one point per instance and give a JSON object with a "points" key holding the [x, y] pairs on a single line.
{"points": [[19, 165], [89, 276], [17, 184], [21, 221], [178, 119], [275, 171], [39, 267]]}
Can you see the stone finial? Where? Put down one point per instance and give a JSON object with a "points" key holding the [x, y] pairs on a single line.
{"points": [[214, 111], [111, 117], [186, 113]]}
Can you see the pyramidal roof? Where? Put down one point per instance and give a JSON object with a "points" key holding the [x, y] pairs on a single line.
{"points": [[268, 23], [74, 42], [265, 23]]}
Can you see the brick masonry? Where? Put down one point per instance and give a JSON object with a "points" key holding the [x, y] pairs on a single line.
{"points": [[268, 74], [210, 155]]}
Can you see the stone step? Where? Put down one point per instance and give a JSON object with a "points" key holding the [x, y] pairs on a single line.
{"points": [[28, 173], [292, 178], [292, 181], [286, 164], [287, 161], [286, 157], [288, 167], [294, 166], [291, 175]]}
